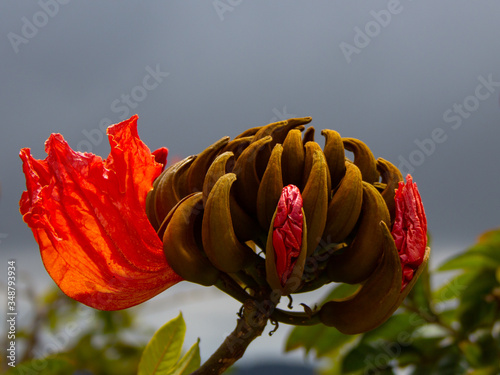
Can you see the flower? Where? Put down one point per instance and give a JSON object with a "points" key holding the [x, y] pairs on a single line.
{"points": [[287, 231], [100, 223], [88, 217], [410, 228]]}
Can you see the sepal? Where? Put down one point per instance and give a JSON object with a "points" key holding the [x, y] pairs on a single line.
{"points": [[184, 254]]}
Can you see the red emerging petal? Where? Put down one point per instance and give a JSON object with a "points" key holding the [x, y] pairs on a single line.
{"points": [[161, 156], [88, 217], [410, 228], [287, 232]]}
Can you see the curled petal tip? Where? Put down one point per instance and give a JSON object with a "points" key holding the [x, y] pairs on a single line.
{"points": [[161, 156]]}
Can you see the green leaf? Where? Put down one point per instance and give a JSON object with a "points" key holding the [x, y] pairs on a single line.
{"points": [[469, 260], [163, 351], [474, 309], [484, 254], [491, 237], [114, 321], [362, 357], [373, 358], [490, 351], [476, 315], [427, 346], [454, 287], [303, 337], [439, 360], [397, 328], [324, 340], [332, 341], [493, 370], [409, 356], [341, 291], [421, 296], [189, 362], [448, 316], [320, 338], [472, 353], [489, 250], [44, 366], [450, 362], [450, 365]]}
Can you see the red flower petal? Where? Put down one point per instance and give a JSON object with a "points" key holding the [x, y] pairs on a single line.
{"points": [[88, 217], [410, 228], [161, 156], [287, 232]]}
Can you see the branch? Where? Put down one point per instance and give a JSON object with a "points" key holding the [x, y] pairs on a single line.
{"points": [[250, 325], [295, 318]]}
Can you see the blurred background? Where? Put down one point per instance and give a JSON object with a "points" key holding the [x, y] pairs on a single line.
{"points": [[418, 81]]}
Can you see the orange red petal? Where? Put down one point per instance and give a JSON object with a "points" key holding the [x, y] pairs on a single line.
{"points": [[88, 217]]}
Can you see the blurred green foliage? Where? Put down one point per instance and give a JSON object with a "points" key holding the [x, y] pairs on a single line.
{"points": [[451, 329], [65, 337], [68, 338]]}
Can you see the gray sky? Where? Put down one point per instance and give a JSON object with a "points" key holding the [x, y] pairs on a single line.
{"points": [[393, 74]]}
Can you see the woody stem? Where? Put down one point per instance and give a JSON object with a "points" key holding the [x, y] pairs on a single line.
{"points": [[295, 318], [250, 325]]}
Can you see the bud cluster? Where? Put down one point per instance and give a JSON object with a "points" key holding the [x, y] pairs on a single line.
{"points": [[275, 188]]}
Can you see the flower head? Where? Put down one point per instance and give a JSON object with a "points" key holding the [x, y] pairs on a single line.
{"points": [[410, 228], [100, 223], [88, 217]]}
